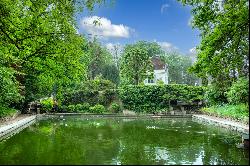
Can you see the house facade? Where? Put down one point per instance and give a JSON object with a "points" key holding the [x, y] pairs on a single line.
{"points": [[160, 72]]}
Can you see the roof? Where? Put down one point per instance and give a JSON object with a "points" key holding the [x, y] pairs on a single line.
{"points": [[158, 63]]}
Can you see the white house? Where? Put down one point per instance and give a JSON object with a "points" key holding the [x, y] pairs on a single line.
{"points": [[160, 72]]}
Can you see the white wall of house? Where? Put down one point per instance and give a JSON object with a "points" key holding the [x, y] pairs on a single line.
{"points": [[158, 75]]}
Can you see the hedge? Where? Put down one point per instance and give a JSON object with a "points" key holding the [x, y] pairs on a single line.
{"points": [[92, 97], [148, 98]]}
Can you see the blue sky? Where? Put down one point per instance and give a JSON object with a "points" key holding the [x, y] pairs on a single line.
{"points": [[128, 21]]}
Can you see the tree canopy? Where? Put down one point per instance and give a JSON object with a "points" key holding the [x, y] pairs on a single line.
{"points": [[178, 68], [223, 52], [136, 64], [40, 47]]}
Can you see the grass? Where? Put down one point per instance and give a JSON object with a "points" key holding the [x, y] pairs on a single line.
{"points": [[237, 112]]}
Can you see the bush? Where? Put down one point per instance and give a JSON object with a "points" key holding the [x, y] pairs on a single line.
{"points": [[47, 104], [150, 98], [115, 107], [71, 108], [98, 84], [215, 95], [9, 88], [82, 107], [92, 97], [81, 96], [239, 91], [97, 109], [237, 112], [6, 111]]}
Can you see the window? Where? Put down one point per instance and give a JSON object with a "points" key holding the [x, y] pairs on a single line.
{"points": [[150, 81]]}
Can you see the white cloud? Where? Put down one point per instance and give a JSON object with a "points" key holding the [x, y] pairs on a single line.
{"points": [[193, 53], [192, 50], [104, 28], [163, 7], [168, 47]]}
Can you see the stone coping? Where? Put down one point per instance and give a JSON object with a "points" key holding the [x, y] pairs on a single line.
{"points": [[120, 115], [236, 126], [16, 126]]}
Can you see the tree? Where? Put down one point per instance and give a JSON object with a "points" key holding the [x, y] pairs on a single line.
{"points": [[152, 48], [99, 57], [40, 49], [178, 68], [135, 64], [223, 53], [111, 72]]}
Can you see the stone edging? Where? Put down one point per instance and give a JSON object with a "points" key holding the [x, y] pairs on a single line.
{"points": [[13, 128], [10, 129], [118, 115], [222, 123]]}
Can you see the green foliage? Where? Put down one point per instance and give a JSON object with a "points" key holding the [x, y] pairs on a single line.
{"points": [[98, 84], [178, 68], [9, 89], [98, 108], [152, 48], [236, 112], [93, 91], [111, 72], [152, 98], [80, 96], [224, 49], [98, 58], [215, 95], [115, 107], [160, 82], [6, 111], [239, 91], [41, 52], [78, 108], [47, 104], [135, 64]]}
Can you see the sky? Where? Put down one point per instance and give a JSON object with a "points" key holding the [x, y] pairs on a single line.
{"points": [[166, 22]]}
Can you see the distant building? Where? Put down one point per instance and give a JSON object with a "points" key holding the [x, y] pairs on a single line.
{"points": [[160, 72]]}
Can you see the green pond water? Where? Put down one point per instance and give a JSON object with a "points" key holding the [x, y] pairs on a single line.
{"points": [[78, 140]]}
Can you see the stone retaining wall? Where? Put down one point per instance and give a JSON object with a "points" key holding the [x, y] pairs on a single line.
{"points": [[118, 115], [15, 127], [222, 123]]}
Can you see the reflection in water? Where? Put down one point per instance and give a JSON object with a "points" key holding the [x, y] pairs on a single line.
{"points": [[122, 141]]}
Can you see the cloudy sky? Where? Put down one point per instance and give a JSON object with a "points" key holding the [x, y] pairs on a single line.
{"points": [[127, 21]]}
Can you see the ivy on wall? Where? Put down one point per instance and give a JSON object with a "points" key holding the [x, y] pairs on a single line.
{"points": [[143, 98]]}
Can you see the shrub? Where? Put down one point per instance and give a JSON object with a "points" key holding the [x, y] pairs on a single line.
{"points": [[71, 108], [81, 96], [82, 107], [98, 108], [107, 96], [115, 107], [47, 104], [98, 84], [63, 108], [215, 95], [239, 91], [6, 111], [237, 112], [92, 97]]}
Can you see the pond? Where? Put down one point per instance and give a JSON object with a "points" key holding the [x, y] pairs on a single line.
{"points": [[82, 140]]}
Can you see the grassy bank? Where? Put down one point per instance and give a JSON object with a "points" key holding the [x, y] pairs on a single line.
{"points": [[235, 112]]}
